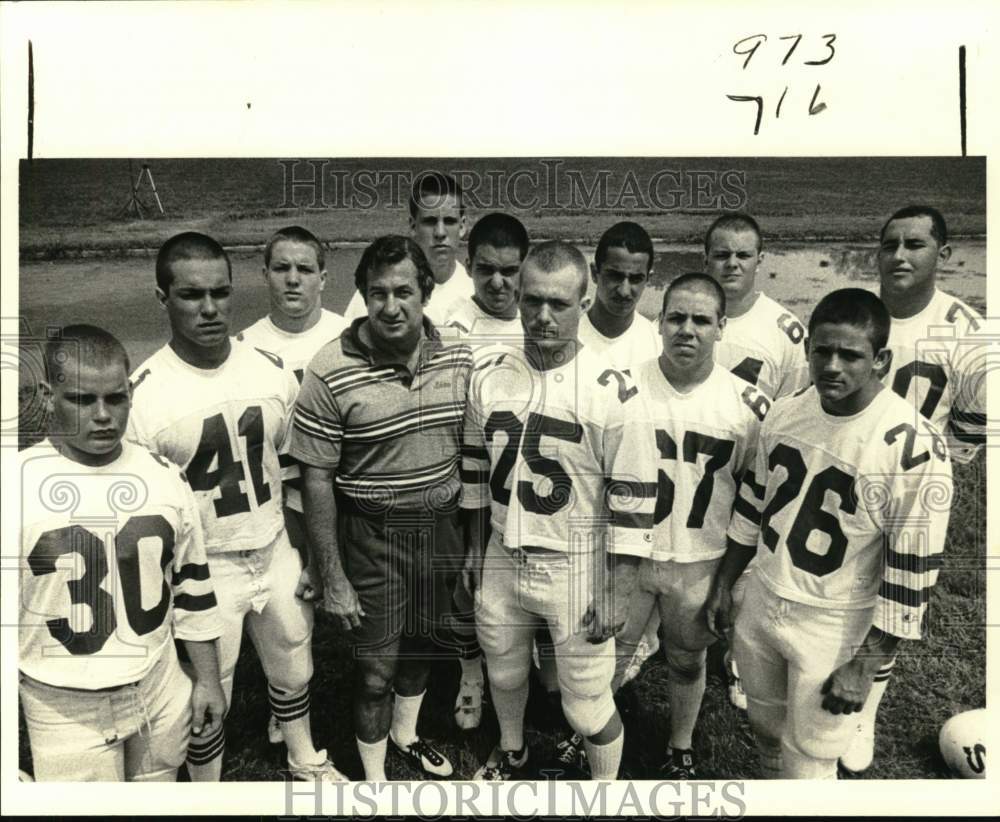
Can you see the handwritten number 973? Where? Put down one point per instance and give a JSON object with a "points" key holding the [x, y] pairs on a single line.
{"points": [[759, 39]]}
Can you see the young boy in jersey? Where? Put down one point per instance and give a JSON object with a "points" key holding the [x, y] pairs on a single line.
{"points": [[700, 423], [845, 514], [497, 245], [221, 410], [437, 224], [296, 327], [543, 430], [103, 694], [762, 343], [937, 364], [613, 329]]}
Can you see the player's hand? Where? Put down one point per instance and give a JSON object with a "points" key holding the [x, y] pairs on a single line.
{"points": [[847, 688], [341, 602], [719, 609], [602, 620], [472, 572], [309, 587], [208, 707]]}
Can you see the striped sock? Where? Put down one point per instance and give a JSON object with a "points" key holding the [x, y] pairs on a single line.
{"points": [[204, 756]]}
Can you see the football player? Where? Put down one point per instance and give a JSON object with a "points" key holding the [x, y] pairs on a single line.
{"points": [[613, 329], [437, 225], [221, 410], [497, 245], [296, 327], [845, 514], [111, 537], [543, 436], [700, 423], [937, 365], [762, 342], [377, 428]]}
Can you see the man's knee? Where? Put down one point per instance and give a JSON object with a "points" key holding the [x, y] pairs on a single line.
{"points": [[374, 680], [686, 666], [508, 672], [587, 715]]}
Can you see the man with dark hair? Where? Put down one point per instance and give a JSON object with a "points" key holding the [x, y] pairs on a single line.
{"points": [[90, 654], [220, 409], [377, 427], [296, 327], [762, 342], [938, 364], [437, 225], [838, 513], [700, 424], [543, 430], [497, 246]]}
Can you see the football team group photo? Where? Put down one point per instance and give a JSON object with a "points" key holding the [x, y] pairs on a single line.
{"points": [[452, 470]]}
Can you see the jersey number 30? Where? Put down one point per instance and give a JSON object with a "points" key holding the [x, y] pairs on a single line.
{"points": [[86, 589]]}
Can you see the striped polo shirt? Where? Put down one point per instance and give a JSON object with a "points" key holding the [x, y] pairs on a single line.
{"points": [[392, 436]]}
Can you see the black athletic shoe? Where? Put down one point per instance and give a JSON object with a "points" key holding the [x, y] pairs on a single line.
{"points": [[679, 764]]}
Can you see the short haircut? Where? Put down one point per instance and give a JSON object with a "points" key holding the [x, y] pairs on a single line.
{"points": [[435, 186], [295, 234], [500, 231], [857, 307], [86, 344], [696, 281], [939, 229], [736, 221], [189, 245], [553, 255], [630, 236], [388, 251]]}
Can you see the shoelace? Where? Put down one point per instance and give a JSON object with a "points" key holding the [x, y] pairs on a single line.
{"points": [[421, 748]]}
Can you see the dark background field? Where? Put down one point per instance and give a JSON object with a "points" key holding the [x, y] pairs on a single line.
{"points": [[81, 262]]}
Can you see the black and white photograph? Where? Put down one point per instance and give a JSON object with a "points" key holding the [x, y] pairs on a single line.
{"points": [[337, 471]]}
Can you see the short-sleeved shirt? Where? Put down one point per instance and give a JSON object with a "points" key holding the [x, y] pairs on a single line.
{"points": [[114, 567], [392, 436], [475, 325], [939, 364], [766, 347], [225, 427], [640, 342]]}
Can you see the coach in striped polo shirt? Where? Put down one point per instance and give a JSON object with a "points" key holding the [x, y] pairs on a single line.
{"points": [[377, 429]]}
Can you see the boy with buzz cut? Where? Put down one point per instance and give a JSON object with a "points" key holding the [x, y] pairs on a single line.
{"points": [[498, 244], [844, 513], [937, 364], [108, 582], [437, 225], [296, 327]]}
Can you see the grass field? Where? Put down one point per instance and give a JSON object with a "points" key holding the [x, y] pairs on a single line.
{"points": [[66, 209]]}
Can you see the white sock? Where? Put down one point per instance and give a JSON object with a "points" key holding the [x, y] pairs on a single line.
{"points": [[405, 711], [605, 759], [685, 703], [509, 706], [373, 759], [875, 696], [472, 669], [769, 751]]}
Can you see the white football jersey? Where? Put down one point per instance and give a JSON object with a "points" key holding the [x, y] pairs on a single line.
{"points": [[939, 365], [765, 347], [471, 322], [639, 343], [542, 449], [443, 301], [698, 444], [848, 512], [225, 427], [112, 567], [295, 350]]}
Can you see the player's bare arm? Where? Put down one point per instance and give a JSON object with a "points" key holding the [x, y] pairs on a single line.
{"points": [[719, 605], [339, 597], [208, 702], [846, 689], [477, 536]]}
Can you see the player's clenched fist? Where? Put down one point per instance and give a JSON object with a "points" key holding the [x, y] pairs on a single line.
{"points": [[208, 707], [341, 602], [718, 609], [309, 587], [846, 689]]}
